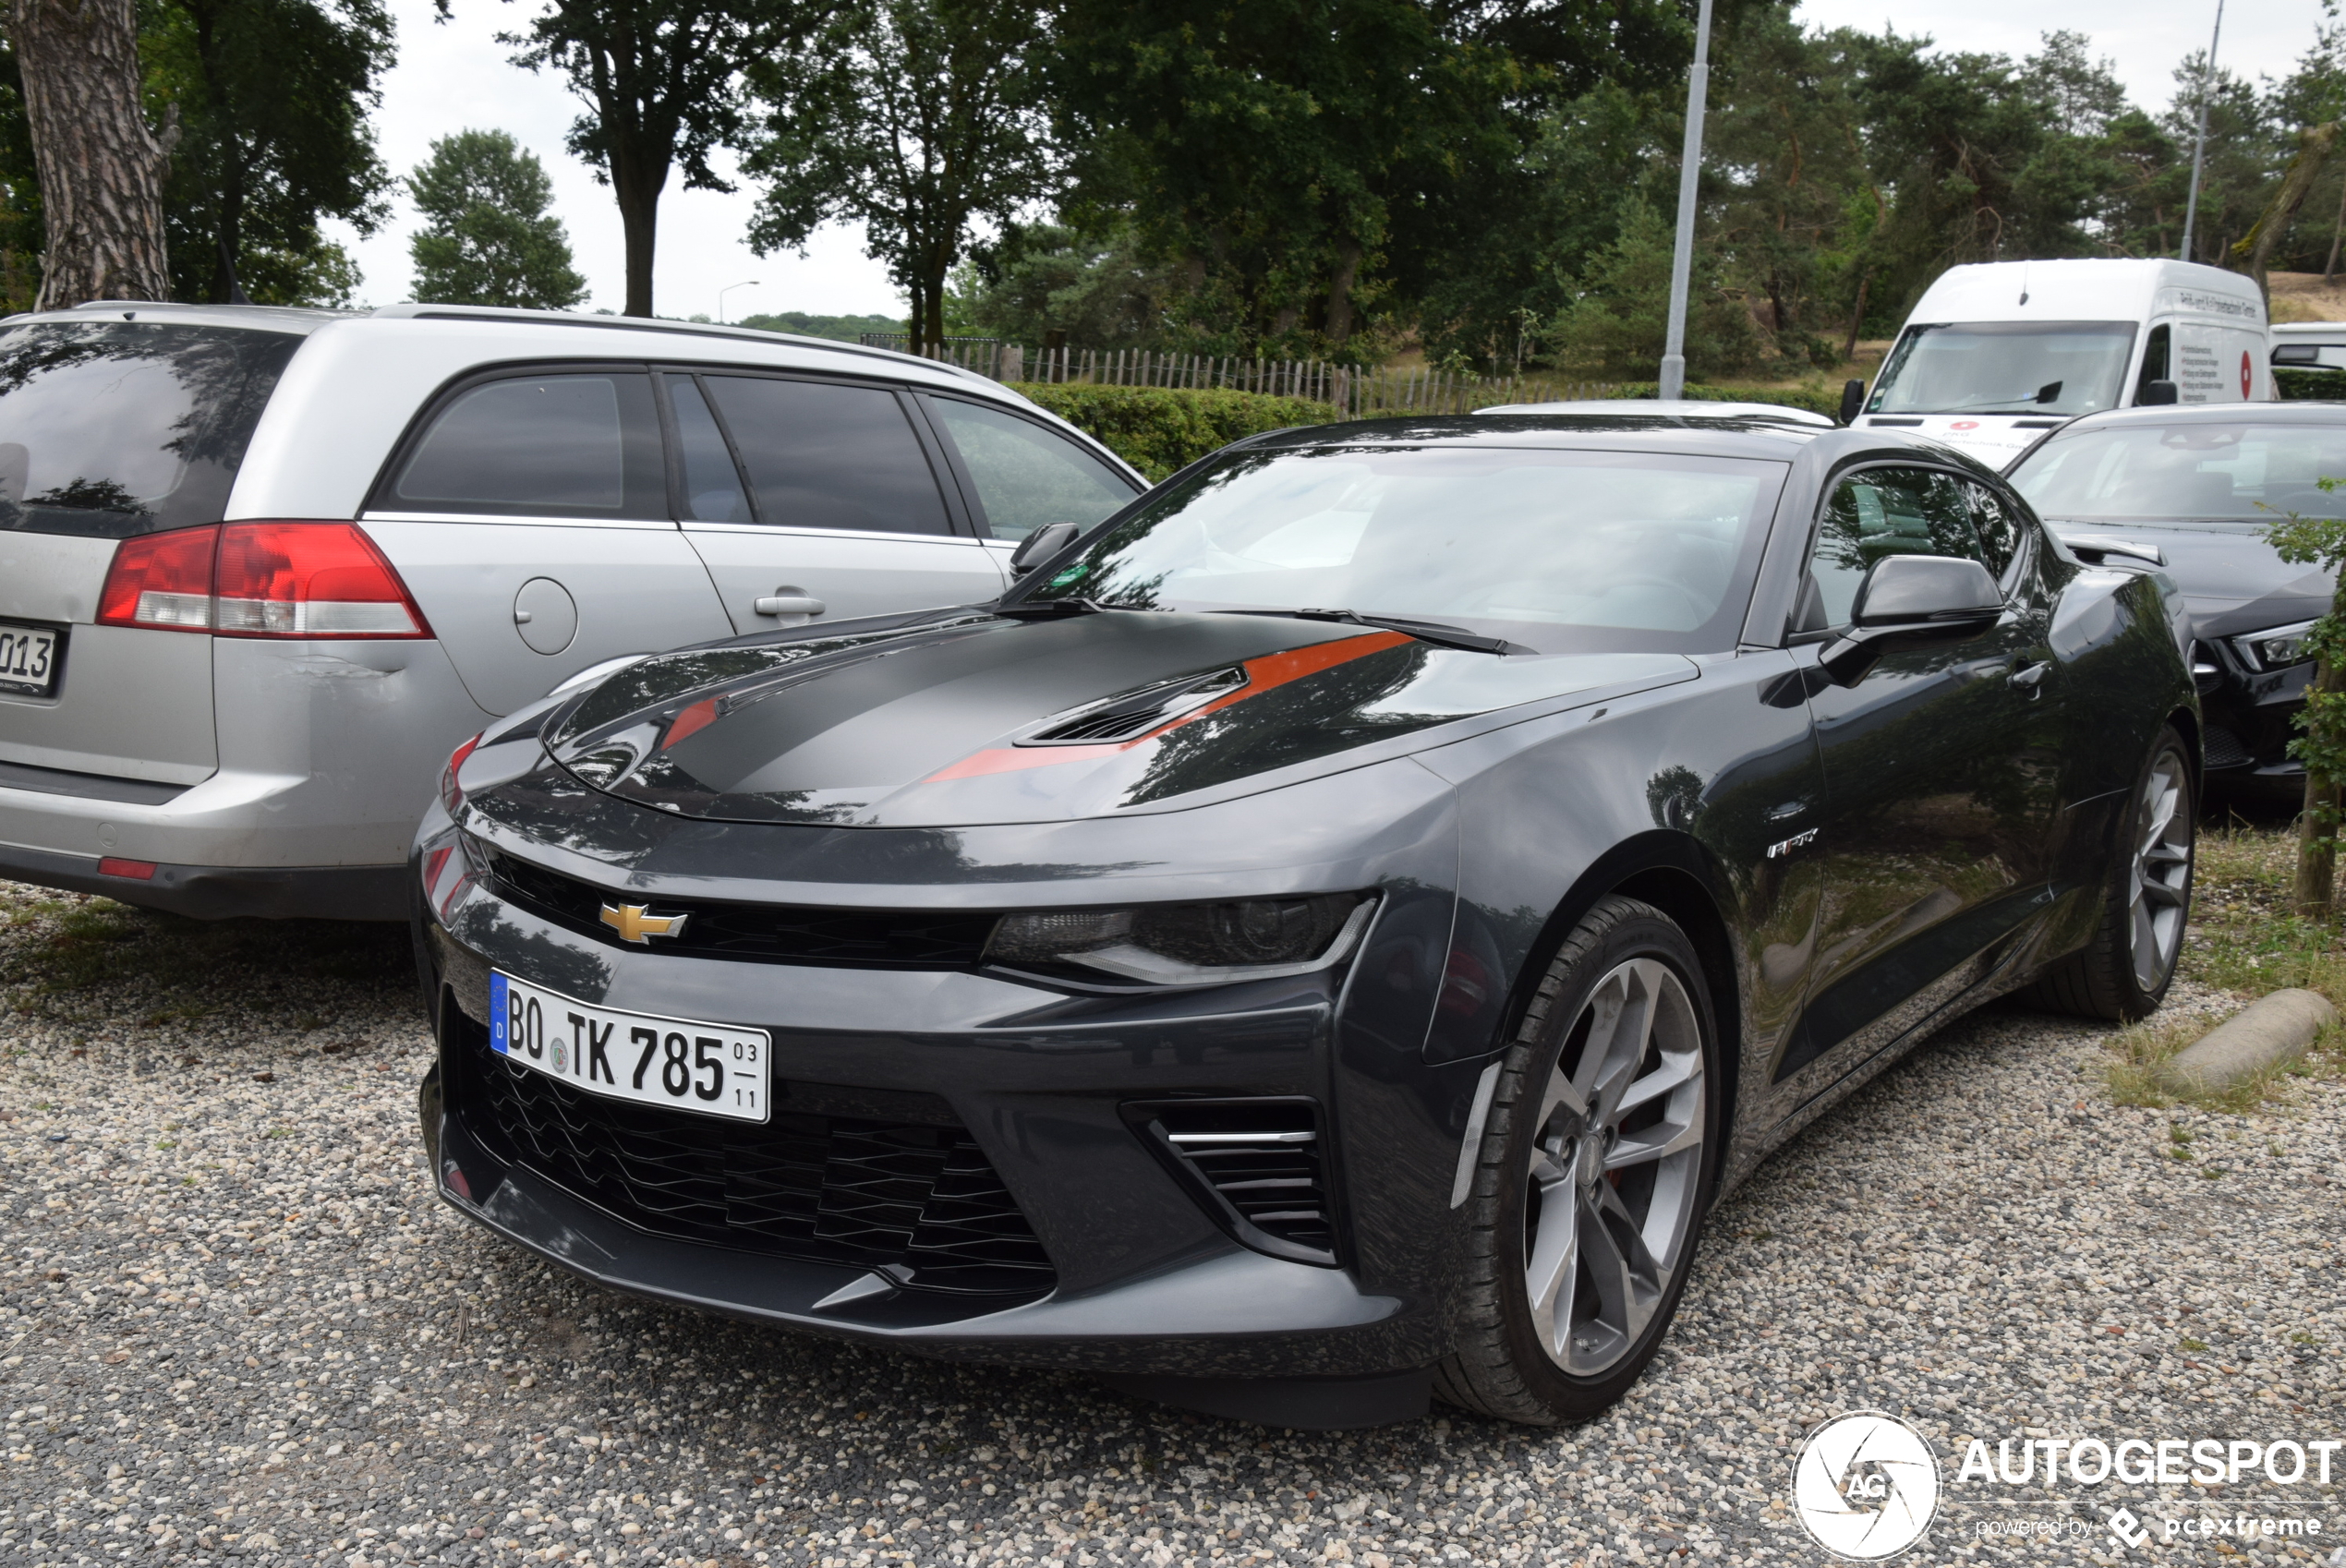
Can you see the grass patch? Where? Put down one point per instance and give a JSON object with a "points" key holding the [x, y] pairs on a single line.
{"points": [[2245, 941]]}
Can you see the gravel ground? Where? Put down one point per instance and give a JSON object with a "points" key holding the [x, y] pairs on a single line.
{"points": [[234, 1326]]}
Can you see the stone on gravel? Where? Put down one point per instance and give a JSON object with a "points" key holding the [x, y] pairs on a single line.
{"points": [[2270, 1033]]}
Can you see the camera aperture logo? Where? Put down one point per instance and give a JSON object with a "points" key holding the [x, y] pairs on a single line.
{"points": [[1866, 1486]]}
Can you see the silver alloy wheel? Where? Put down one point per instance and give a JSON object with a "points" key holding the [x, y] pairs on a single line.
{"points": [[2159, 879], [1614, 1167]]}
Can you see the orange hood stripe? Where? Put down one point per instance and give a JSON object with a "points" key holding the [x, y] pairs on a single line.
{"points": [[1262, 674]]}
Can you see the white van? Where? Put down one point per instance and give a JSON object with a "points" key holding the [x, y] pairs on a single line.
{"points": [[1996, 353]]}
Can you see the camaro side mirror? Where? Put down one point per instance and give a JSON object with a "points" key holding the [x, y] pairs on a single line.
{"points": [[1911, 599], [1853, 401], [1040, 546], [2155, 393]]}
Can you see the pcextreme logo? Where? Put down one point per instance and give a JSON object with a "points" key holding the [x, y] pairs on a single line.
{"points": [[1866, 1486]]}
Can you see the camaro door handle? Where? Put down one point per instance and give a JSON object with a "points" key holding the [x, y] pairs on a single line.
{"points": [[788, 604], [2028, 675]]}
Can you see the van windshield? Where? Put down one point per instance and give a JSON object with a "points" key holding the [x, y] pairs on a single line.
{"points": [[2005, 367], [113, 429]]}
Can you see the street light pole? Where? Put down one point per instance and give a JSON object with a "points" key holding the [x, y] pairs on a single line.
{"points": [[726, 290], [2199, 143], [1673, 345]]}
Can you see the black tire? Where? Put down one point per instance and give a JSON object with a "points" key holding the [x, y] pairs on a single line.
{"points": [[1502, 1365], [2103, 979]]}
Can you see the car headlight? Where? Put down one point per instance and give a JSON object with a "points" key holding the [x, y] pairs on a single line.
{"points": [[2277, 648], [1206, 943]]}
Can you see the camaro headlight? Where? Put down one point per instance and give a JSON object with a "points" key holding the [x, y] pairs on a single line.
{"points": [[1190, 944], [2277, 648]]}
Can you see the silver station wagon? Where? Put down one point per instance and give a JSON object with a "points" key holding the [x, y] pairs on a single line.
{"points": [[260, 570]]}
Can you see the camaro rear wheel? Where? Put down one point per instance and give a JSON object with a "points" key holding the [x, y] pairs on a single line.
{"points": [[1597, 1159], [2124, 971]]}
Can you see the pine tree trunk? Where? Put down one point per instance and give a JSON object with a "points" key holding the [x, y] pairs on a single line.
{"points": [[101, 168]]}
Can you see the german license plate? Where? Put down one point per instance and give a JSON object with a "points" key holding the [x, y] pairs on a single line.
{"points": [[717, 1069], [28, 658]]}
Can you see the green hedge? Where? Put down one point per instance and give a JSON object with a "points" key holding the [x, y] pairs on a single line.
{"points": [[1158, 429], [2296, 385]]}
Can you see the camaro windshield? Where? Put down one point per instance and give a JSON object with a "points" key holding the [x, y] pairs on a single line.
{"points": [[2187, 472], [1556, 550], [2005, 367]]}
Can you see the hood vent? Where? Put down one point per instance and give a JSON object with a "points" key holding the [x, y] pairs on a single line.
{"points": [[1136, 714]]}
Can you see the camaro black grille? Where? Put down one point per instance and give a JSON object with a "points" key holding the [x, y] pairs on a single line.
{"points": [[1257, 1164], [903, 940], [917, 1199]]}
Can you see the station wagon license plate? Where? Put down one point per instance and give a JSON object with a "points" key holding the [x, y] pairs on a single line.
{"points": [[28, 658], [716, 1070]]}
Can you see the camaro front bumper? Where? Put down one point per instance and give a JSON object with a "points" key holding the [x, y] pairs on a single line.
{"points": [[1034, 1088]]}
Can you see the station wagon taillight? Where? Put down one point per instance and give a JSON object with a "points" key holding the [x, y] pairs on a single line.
{"points": [[260, 580]]}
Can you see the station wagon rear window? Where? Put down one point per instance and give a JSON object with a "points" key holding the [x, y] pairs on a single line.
{"points": [[110, 429]]}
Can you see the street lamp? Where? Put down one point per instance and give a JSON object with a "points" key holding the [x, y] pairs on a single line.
{"points": [[1674, 342], [726, 290], [2199, 143]]}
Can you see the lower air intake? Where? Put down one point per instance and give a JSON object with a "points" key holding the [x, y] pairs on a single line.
{"points": [[1257, 1164], [900, 1186]]}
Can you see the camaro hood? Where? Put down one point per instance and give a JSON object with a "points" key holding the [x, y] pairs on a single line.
{"points": [[2232, 581], [970, 718]]}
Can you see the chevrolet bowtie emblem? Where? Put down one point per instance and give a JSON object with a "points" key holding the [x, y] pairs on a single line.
{"points": [[636, 923]]}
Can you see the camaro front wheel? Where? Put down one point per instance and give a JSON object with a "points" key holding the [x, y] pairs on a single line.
{"points": [[1596, 1161], [2122, 973]]}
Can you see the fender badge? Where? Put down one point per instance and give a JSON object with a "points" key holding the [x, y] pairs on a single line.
{"points": [[636, 923], [1775, 851]]}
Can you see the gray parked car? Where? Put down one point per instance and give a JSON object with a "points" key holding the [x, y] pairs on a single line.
{"points": [[260, 570]]}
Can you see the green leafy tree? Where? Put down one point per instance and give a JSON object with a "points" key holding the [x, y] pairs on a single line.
{"points": [[1097, 291], [916, 118], [1616, 326], [1310, 168], [661, 80], [488, 238], [272, 97]]}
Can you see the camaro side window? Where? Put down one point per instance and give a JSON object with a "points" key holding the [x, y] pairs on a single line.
{"points": [[1999, 531], [1882, 511]]}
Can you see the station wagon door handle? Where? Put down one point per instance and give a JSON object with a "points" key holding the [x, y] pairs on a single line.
{"points": [[788, 604], [2029, 675]]}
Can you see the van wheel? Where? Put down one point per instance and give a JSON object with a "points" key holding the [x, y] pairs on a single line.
{"points": [[1597, 1161], [2123, 975]]}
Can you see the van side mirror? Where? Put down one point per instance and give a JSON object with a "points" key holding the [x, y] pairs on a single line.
{"points": [[1853, 401], [1040, 546], [2155, 393], [1912, 599]]}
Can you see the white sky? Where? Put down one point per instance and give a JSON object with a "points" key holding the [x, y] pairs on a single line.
{"points": [[454, 75]]}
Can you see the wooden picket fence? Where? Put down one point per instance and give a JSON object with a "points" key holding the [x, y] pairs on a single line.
{"points": [[1358, 392]]}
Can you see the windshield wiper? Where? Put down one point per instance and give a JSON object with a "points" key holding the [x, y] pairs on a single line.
{"points": [[1439, 634], [2049, 392]]}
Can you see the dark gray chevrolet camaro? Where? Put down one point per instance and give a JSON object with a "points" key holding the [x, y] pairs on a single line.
{"points": [[1330, 934]]}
